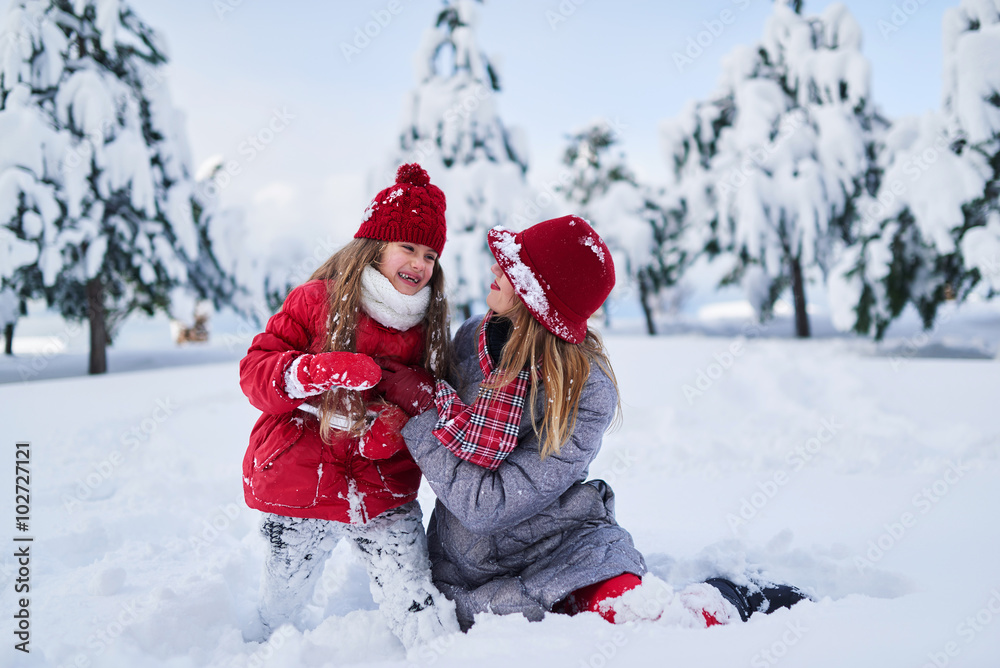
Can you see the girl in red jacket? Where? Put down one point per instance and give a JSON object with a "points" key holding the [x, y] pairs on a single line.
{"points": [[337, 373]]}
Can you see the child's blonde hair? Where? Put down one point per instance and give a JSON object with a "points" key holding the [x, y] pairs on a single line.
{"points": [[342, 273], [562, 367]]}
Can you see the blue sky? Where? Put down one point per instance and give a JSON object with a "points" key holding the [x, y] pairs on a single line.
{"points": [[236, 63]]}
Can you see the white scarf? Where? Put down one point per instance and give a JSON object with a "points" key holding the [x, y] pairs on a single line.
{"points": [[388, 306]]}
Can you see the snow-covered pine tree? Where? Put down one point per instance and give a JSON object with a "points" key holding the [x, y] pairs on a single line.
{"points": [[629, 216], [769, 170], [263, 280], [12, 308], [972, 102], [452, 128], [112, 192], [18, 212], [30, 153], [221, 233], [932, 233]]}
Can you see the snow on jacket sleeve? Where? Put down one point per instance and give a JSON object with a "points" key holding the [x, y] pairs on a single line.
{"points": [[288, 335], [487, 501]]}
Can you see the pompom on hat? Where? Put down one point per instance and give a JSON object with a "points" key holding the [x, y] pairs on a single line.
{"points": [[411, 210], [561, 269]]}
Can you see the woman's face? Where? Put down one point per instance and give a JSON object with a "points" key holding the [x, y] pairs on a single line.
{"points": [[502, 296], [408, 267]]}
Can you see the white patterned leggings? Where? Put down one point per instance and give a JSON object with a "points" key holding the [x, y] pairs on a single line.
{"points": [[393, 548]]}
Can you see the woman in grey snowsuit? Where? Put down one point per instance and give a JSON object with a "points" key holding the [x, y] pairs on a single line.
{"points": [[517, 528]]}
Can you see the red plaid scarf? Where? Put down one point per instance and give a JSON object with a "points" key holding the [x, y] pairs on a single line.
{"points": [[485, 432]]}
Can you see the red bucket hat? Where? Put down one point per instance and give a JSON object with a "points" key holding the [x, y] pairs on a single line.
{"points": [[561, 269], [411, 210]]}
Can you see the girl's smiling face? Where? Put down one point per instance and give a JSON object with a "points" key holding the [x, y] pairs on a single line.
{"points": [[408, 267]]}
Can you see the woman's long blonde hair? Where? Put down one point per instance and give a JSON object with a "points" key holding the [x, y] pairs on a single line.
{"points": [[342, 273], [562, 367]]}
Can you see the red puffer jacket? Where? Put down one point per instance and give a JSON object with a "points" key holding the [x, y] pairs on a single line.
{"points": [[288, 469]]}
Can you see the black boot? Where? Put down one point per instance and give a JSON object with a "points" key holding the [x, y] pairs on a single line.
{"points": [[766, 599]]}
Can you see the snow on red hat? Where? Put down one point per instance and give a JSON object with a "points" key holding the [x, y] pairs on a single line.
{"points": [[561, 269], [410, 210]]}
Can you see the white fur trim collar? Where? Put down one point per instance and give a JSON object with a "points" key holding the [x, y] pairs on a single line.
{"points": [[388, 306]]}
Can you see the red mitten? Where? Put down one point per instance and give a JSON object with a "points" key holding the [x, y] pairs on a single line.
{"points": [[409, 387], [384, 437], [310, 375]]}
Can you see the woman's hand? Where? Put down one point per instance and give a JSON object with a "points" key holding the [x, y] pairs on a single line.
{"points": [[409, 387], [310, 375]]}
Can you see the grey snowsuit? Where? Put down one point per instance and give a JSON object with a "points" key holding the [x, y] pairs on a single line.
{"points": [[521, 538]]}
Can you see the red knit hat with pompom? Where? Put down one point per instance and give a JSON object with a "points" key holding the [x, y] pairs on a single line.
{"points": [[412, 210]]}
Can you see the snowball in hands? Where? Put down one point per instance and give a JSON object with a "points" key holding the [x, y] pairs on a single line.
{"points": [[310, 375]]}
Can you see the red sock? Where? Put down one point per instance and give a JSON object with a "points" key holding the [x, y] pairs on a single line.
{"points": [[588, 599]]}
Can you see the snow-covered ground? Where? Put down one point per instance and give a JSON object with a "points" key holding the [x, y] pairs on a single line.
{"points": [[867, 475]]}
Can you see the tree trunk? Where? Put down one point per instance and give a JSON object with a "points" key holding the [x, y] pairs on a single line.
{"points": [[8, 338], [98, 327], [799, 296], [466, 311], [646, 309]]}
